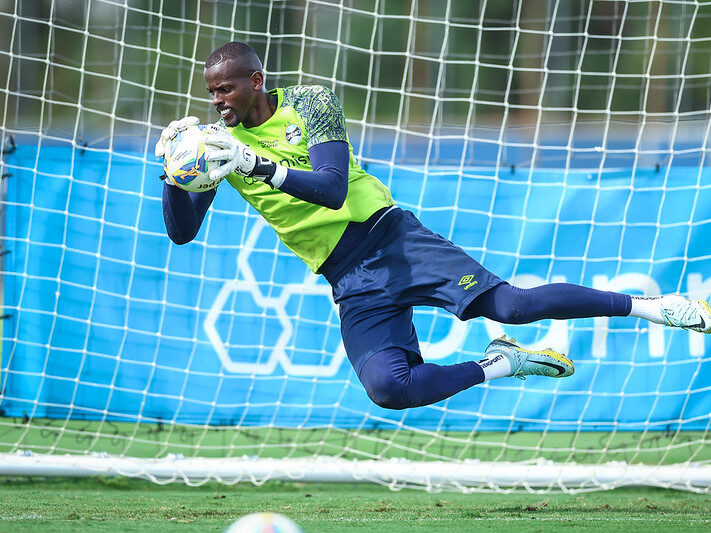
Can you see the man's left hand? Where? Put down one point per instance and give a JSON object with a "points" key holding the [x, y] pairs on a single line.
{"points": [[221, 146]]}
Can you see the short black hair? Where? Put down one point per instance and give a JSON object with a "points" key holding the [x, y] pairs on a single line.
{"points": [[235, 51]]}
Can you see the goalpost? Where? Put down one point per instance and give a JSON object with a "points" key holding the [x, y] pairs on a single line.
{"points": [[553, 140]]}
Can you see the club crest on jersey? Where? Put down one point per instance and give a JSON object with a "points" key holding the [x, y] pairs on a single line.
{"points": [[293, 134]]}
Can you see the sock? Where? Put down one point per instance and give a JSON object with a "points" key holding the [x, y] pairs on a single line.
{"points": [[648, 307], [496, 366]]}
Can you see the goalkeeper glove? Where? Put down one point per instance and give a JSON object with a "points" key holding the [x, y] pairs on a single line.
{"points": [[239, 158], [171, 131], [169, 134]]}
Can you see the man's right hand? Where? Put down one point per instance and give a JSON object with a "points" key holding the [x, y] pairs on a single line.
{"points": [[171, 131]]}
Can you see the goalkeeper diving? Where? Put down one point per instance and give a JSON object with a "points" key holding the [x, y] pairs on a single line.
{"points": [[286, 151]]}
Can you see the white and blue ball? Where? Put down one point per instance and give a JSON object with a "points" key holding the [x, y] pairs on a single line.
{"points": [[185, 161], [264, 522]]}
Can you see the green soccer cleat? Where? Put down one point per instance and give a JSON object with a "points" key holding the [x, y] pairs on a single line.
{"points": [[686, 313], [529, 362]]}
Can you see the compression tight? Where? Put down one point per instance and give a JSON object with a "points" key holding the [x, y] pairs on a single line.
{"points": [[510, 305], [391, 382]]}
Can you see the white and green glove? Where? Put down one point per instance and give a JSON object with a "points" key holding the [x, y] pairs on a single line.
{"points": [[168, 134], [239, 158], [171, 131]]}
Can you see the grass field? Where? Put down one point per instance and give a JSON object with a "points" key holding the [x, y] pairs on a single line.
{"points": [[135, 505], [154, 440], [119, 504]]}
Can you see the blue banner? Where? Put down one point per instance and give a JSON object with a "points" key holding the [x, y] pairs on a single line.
{"points": [[109, 319]]}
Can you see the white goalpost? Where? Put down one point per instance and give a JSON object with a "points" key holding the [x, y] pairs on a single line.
{"points": [[555, 141]]}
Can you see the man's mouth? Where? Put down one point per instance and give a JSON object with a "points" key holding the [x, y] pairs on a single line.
{"points": [[224, 112]]}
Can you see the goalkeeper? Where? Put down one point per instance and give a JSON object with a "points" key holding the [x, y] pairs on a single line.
{"points": [[286, 151]]}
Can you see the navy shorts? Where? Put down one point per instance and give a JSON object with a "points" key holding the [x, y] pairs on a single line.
{"points": [[406, 265]]}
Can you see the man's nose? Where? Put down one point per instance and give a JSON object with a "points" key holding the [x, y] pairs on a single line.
{"points": [[216, 99]]}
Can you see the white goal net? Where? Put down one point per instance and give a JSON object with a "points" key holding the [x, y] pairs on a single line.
{"points": [[553, 140]]}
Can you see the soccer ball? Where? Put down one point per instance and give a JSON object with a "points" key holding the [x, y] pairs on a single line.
{"points": [[185, 161], [260, 522]]}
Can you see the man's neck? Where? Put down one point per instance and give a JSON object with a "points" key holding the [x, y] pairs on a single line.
{"points": [[273, 101], [266, 107]]}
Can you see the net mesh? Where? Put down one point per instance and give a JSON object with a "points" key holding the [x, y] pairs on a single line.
{"points": [[552, 140]]}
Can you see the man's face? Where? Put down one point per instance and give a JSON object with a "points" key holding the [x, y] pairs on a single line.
{"points": [[234, 91]]}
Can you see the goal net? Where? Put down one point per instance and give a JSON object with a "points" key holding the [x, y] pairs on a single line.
{"points": [[553, 140]]}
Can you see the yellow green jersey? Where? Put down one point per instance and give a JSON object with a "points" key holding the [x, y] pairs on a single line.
{"points": [[306, 115]]}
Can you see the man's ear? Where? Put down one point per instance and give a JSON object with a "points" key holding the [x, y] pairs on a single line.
{"points": [[257, 78]]}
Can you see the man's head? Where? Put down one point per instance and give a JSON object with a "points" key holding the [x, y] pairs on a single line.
{"points": [[234, 78]]}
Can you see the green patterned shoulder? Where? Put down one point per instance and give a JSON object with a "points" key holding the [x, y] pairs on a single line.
{"points": [[320, 111]]}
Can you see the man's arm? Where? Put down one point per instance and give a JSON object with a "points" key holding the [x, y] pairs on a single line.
{"points": [[183, 212], [327, 184], [329, 153]]}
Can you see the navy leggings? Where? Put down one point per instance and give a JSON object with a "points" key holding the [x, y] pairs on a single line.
{"points": [[392, 381]]}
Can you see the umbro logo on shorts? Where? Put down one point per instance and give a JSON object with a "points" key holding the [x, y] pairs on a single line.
{"points": [[468, 281]]}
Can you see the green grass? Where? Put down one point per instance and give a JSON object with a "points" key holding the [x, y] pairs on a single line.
{"points": [[153, 440], [135, 505]]}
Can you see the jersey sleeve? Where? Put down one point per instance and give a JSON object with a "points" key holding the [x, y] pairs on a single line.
{"points": [[322, 114]]}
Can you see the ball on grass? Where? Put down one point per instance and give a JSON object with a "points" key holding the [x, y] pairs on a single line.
{"points": [[260, 522]]}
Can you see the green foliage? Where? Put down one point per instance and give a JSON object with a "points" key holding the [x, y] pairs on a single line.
{"points": [[517, 60]]}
